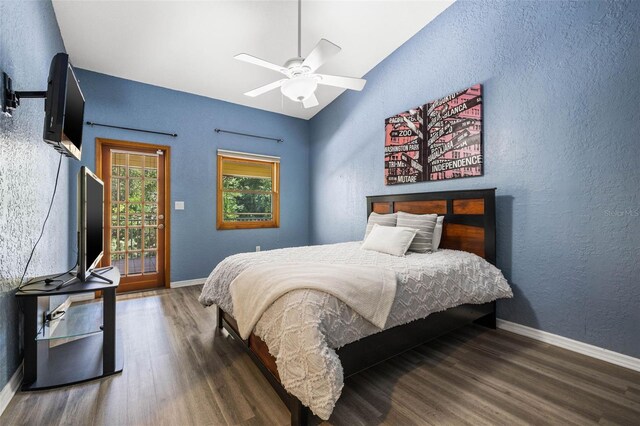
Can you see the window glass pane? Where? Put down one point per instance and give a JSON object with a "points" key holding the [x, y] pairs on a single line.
{"points": [[242, 207], [249, 193], [246, 183], [246, 169]]}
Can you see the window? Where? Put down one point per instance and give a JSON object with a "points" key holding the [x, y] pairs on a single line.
{"points": [[248, 191]]}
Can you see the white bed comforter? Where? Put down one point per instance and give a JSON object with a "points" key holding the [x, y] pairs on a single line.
{"points": [[304, 327]]}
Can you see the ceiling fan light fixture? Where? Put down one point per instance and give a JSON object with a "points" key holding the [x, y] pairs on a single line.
{"points": [[300, 88]]}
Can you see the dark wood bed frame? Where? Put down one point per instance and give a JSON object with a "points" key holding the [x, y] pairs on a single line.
{"points": [[469, 225]]}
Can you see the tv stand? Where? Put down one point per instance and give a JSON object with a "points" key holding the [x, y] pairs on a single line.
{"points": [[91, 350], [95, 274]]}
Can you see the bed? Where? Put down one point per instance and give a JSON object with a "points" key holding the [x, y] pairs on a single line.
{"points": [[318, 341]]}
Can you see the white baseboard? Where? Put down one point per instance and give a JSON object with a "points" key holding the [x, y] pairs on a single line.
{"points": [[185, 283], [10, 389], [572, 345]]}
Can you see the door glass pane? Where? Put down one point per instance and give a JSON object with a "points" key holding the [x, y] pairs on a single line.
{"points": [[117, 259], [134, 262], [135, 190], [150, 214], [118, 170], [118, 239], [150, 238], [119, 159], [115, 185], [115, 211], [134, 239], [150, 191], [135, 214], [150, 261], [136, 164], [122, 213]]}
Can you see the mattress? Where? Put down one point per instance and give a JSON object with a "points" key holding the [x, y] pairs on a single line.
{"points": [[304, 327]]}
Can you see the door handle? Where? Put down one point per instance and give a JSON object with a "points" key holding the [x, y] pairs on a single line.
{"points": [[161, 226], [160, 216]]}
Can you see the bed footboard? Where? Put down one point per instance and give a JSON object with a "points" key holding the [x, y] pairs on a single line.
{"points": [[258, 351]]}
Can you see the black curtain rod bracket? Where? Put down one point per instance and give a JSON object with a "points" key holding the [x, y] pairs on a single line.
{"points": [[249, 135], [91, 123]]}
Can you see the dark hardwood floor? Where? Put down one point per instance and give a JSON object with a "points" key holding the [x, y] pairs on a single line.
{"points": [[180, 371]]}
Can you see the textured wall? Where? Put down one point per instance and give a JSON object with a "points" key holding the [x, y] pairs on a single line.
{"points": [[562, 122], [29, 37], [196, 245]]}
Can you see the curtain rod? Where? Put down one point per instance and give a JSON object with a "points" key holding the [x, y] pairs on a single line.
{"points": [[249, 135], [91, 123]]}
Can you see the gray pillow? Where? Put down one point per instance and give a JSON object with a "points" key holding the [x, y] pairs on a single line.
{"points": [[425, 224], [380, 219]]}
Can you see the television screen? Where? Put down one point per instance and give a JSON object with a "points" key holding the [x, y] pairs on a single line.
{"points": [[90, 222], [64, 108]]}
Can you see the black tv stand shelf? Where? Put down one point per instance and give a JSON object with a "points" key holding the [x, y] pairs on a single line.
{"points": [[91, 353]]}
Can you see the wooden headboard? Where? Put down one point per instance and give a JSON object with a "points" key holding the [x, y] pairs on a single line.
{"points": [[469, 216]]}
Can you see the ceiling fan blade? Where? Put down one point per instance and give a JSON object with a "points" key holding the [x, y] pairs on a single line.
{"points": [[259, 62], [266, 88], [320, 54], [342, 82], [311, 101]]}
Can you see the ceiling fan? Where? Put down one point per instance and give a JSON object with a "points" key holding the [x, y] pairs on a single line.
{"points": [[302, 79]]}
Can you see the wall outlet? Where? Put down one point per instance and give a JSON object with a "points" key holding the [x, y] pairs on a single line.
{"points": [[179, 205], [257, 248]]}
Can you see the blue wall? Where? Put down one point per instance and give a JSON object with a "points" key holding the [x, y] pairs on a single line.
{"points": [[29, 37], [196, 245], [562, 122]]}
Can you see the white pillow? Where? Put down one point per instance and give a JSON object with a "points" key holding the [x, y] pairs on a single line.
{"points": [[391, 240], [437, 234]]}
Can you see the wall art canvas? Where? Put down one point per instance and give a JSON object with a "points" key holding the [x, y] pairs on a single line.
{"points": [[403, 147], [440, 140]]}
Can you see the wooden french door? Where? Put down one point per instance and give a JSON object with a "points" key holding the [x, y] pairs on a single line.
{"points": [[136, 211]]}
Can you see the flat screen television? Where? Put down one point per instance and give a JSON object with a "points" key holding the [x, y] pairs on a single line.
{"points": [[90, 222], [64, 108]]}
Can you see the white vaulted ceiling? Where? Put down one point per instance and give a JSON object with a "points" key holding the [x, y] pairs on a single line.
{"points": [[189, 45]]}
